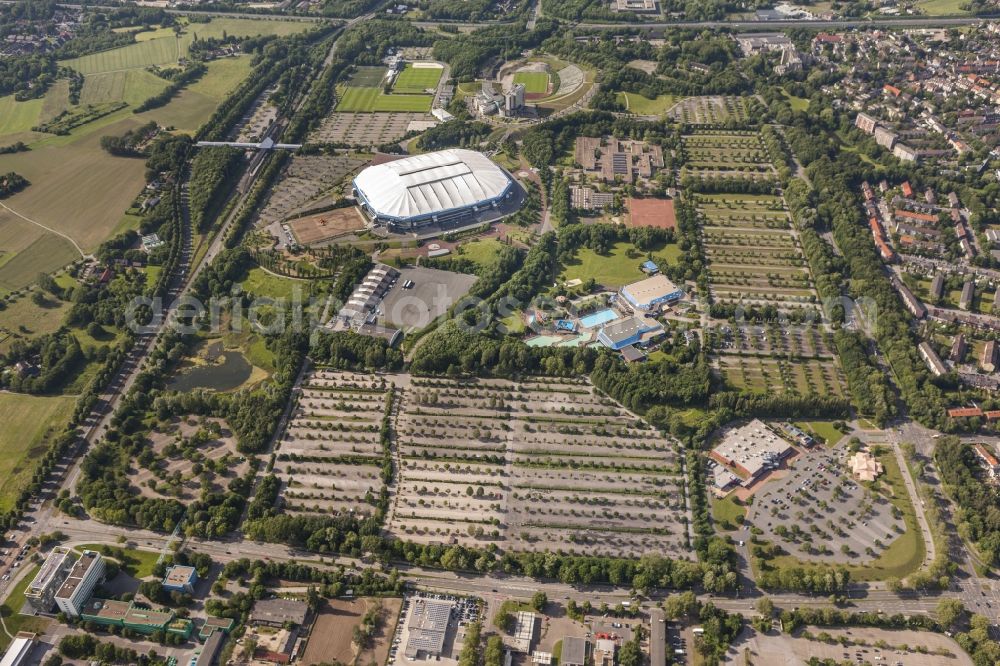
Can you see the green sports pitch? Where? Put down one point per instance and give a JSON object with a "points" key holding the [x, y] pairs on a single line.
{"points": [[364, 100], [534, 82], [417, 79]]}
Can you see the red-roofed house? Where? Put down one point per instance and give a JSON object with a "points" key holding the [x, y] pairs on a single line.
{"points": [[964, 412], [907, 190], [989, 460]]}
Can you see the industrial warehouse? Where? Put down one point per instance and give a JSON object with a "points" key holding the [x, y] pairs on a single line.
{"points": [[446, 189]]}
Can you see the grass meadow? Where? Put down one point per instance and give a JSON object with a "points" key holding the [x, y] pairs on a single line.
{"points": [[29, 422]]}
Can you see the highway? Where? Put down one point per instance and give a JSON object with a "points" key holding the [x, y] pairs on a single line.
{"points": [[888, 22]]}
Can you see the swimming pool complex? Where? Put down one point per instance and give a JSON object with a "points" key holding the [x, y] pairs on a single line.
{"points": [[598, 318]]}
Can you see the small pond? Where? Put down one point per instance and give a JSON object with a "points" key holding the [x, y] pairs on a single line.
{"points": [[228, 371]]}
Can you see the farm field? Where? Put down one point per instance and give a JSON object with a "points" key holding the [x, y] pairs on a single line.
{"points": [[28, 424], [162, 47], [711, 110], [18, 117], [493, 461], [44, 252], [534, 82], [64, 173], [644, 106], [23, 319], [615, 269], [330, 456], [129, 86], [417, 79], [943, 7]]}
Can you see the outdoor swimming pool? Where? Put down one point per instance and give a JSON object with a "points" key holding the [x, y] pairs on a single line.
{"points": [[598, 318]]}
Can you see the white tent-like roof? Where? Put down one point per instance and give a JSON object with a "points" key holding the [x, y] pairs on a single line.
{"points": [[431, 183]]}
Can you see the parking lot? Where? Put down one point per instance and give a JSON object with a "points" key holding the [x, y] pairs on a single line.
{"points": [[816, 509], [432, 293], [366, 129], [330, 457], [898, 648], [541, 465]]}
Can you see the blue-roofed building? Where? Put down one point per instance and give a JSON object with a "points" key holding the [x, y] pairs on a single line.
{"points": [[630, 331], [650, 267], [180, 579]]}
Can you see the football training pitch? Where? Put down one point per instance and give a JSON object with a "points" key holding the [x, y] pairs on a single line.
{"points": [[534, 82], [373, 99], [417, 79]]}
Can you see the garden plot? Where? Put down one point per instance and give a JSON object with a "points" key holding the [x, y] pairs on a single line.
{"points": [[365, 129], [752, 252], [330, 457], [187, 457], [711, 110], [819, 513], [726, 155], [494, 460], [308, 183]]}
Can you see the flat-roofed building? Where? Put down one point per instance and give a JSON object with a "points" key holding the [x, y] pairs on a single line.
{"points": [[41, 591], [279, 612], [629, 331], [752, 449], [574, 651], [651, 293], [865, 123], [427, 627], [87, 573], [207, 653], [637, 6], [180, 579], [20, 649], [524, 631]]}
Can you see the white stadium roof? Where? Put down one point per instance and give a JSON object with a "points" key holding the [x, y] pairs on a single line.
{"points": [[431, 183]]}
